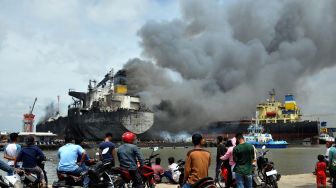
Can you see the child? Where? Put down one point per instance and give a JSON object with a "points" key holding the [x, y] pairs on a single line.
{"points": [[321, 167]]}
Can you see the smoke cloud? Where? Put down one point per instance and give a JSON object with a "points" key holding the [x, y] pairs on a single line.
{"points": [[50, 111], [219, 59]]}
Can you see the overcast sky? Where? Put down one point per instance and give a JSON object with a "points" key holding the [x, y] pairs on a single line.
{"points": [[47, 47]]}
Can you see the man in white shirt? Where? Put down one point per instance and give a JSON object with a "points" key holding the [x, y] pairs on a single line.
{"points": [[11, 150], [328, 145], [172, 173]]}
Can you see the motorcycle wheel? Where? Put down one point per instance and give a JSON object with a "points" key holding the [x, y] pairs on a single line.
{"points": [[119, 183], [275, 184], [261, 175]]}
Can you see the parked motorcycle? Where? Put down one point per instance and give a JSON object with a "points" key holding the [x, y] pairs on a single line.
{"points": [[180, 168], [266, 170]]}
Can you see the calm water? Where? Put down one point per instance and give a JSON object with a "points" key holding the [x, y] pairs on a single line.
{"points": [[293, 160]]}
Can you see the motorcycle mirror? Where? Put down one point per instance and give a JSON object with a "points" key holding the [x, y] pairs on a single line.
{"points": [[105, 151], [263, 147], [155, 148]]}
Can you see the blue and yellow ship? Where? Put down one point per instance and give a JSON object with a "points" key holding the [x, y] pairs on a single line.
{"points": [[281, 119]]}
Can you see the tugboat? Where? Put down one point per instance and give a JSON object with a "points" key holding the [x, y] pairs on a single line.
{"points": [[259, 139], [324, 138]]}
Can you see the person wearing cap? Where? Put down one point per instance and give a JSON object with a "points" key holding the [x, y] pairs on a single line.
{"points": [[11, 150], [129, 155], [32, 157], [197, 162]]}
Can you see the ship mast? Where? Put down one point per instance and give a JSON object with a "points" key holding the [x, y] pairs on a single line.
{"points": [[272, 95]]}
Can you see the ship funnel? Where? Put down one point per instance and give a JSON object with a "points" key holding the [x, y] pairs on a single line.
{"points": [[290, 103]]}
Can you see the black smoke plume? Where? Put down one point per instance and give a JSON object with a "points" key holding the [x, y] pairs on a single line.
{"points": [[50, 111], [220, 58]]}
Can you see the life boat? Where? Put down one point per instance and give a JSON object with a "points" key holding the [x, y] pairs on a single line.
{"points": [[271, 114]]}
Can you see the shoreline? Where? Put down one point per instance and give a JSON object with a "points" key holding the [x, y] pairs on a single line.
{"points": [[286, 181]]}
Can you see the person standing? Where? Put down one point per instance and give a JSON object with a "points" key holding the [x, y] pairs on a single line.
{"points": [[243, 156], [229, 156], [332, 164], [11, 150], [107, 143], [129, 155], [321, 172], [197, 162], [221, 150]]}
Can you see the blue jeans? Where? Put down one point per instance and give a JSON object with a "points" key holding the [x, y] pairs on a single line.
{"points": [[5, 167], [168, 174], [243, 181], [79, 170], [186, 185]]}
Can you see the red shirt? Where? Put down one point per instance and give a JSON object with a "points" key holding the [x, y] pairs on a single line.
{"points": [[321, 168]]}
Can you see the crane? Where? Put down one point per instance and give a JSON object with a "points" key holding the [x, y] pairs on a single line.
{"points": [[32, 108], [28, 119]]}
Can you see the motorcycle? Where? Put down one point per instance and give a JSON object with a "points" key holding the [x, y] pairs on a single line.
{"points": [[101, 174], [146, 171], [266, 170], [206, 182], [180, 168], [29, 178]]}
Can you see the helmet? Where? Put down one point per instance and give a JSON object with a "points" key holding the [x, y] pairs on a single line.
{"points": [[128, 137]]}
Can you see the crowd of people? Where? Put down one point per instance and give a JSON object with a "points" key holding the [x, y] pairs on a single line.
{"points": [[324, 164], [73, 159]]}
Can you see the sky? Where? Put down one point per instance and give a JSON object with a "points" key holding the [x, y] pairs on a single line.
{"points": [[48, 47]]}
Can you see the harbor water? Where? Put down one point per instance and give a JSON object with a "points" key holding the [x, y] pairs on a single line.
{"points": [[292, 160]]}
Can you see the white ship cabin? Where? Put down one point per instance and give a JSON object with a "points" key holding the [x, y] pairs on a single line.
{"points": [[255, 134], [41, 138]]}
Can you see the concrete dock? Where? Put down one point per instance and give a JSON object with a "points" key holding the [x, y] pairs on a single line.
{"points": [[298, 180]]}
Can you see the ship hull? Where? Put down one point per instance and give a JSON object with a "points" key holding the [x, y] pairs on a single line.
{"points": [[93, 126], [291, 132]]}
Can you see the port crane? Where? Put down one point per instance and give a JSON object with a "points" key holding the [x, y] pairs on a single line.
{"points": [[28, 119]]}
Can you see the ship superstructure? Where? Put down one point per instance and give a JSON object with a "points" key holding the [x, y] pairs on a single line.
{"points": [[105, 107], [273, 111]]}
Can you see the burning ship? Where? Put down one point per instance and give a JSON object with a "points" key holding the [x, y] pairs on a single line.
{"points": [[106, 107], [282, 120]]}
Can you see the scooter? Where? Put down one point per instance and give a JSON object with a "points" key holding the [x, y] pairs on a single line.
{"points": [[266, 170]]}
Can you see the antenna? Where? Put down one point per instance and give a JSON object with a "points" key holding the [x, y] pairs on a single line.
{"points": [[58, 104]]}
